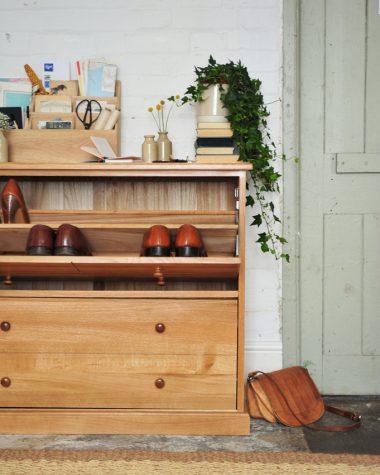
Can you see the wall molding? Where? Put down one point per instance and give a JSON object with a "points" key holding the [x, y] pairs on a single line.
{"points": [[264, 355]]}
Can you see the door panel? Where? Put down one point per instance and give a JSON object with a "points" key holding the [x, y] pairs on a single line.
{"points": [[372, 108], [339, 182], [342, 285], [345, 75], [371, 286]]}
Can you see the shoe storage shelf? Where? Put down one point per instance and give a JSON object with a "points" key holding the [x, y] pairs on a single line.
{"points": [[116, 343]]}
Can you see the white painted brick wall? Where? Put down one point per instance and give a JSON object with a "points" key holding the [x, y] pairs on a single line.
{"points": [[156, 44]]}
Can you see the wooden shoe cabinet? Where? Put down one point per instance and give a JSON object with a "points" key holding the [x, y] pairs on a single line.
{"points": [[116, 343]]}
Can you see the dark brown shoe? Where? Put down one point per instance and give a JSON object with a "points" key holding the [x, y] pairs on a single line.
{"points": [[40, 241], [188, 242], [156, 242], [13, 204], [71, 242]]}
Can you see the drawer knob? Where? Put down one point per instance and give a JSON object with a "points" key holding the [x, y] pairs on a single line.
{"points": [[5, 326], [160, 383], [5, 382], [160, 328]]}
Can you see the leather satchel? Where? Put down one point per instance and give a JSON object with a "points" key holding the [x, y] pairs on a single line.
{"points": [[290, 396]]}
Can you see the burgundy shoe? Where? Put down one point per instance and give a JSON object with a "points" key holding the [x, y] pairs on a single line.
{"points": [[40, 241], [188, 242], [71, 242], [156, 242], [13, 204]]}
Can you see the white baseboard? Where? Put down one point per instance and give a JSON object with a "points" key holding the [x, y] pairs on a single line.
{"points": [[263, 355]]}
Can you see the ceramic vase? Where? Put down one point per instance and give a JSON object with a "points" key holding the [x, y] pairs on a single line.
{"points": [[164, 147], [211, 109], [3, 147], [149, 149]]}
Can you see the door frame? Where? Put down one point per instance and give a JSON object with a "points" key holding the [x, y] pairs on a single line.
{"points": [[291, 322]]}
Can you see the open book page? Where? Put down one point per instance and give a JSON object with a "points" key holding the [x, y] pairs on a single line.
{"points": [[105, 153]]}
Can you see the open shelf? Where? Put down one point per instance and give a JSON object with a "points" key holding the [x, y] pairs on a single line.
{"points": [[103, 267], [133, 217], [122, 239]]}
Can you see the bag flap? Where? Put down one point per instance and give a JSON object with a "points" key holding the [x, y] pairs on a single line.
{"points": [[258, 403], [294, 397]]}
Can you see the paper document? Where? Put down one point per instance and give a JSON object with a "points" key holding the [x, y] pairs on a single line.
{"points": [[15, 92], [101, 78]]}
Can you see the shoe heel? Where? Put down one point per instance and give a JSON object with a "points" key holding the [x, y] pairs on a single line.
{"points": [[10, 205], [66, 251], [189, 251], [157, 251]]}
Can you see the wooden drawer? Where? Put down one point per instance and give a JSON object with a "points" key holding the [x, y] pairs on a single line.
{"points": [[118, 326], [118, 381]]}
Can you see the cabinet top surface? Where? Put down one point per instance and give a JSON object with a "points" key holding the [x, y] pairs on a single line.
{"points": [[141, 169]]}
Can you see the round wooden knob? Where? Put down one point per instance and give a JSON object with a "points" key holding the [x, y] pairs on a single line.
{"points": [[160, 328], [159, 383], [5, 382], [5, 326]]}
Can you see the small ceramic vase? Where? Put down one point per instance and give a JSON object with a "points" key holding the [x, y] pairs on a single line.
{"points": [[164, 147], [3, 147], [149, 149]]}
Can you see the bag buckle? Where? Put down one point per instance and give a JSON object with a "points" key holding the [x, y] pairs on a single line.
{"points": [[356, 417]]}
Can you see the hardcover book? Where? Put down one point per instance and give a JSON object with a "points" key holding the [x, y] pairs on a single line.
{"points": [[215, 150], [214, 132], [217, 158], [214, 142]]}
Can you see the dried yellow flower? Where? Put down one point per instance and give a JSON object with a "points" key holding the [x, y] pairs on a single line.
{"points": [[162, 102], [177, 96], [158, 107], [150, 109]]}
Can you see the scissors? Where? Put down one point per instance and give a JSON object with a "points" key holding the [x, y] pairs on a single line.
{"points": [[91, 106]]}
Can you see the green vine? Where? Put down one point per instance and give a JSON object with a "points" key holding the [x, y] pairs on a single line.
{"points": [[248, 117]]}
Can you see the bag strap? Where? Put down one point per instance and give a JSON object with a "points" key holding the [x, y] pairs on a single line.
{"points": [[353, 416]]}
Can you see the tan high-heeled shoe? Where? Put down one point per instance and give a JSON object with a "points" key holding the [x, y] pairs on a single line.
{"points": [[13, 204]]}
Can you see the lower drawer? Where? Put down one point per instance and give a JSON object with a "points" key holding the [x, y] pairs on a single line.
{"points": [[118, 381]]}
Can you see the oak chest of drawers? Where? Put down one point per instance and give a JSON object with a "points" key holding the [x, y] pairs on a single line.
{"points": [[94, 344]]}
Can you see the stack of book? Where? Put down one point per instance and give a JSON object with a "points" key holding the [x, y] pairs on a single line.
{"points": [[215, 143]]}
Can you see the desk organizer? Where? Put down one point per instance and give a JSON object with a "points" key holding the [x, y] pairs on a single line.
{"points": [[59, 146]]}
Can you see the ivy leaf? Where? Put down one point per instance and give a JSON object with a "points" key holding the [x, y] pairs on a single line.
{"points": [[282, 240], [249, 201], [286, 257], [257, 220], [263, 238]]}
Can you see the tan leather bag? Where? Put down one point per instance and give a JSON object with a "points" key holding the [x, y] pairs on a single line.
{"points": [[289, 396]]}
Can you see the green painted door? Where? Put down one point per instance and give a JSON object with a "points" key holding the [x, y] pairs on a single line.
{"points": [[339, 190]]}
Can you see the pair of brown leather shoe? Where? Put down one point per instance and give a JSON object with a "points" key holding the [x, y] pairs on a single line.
{"points": [[188, 242], [68, 241], [13, 204]]}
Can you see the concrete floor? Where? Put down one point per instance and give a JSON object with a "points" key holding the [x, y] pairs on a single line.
{"points": [[263, 437]]}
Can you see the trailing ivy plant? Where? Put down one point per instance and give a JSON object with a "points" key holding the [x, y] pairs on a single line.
{"points": [[248, 117]]}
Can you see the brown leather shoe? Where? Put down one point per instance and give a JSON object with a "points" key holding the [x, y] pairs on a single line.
{"points": [[188, 242], [71, 242], [40, 241], [156, 242], [13, 204]]}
